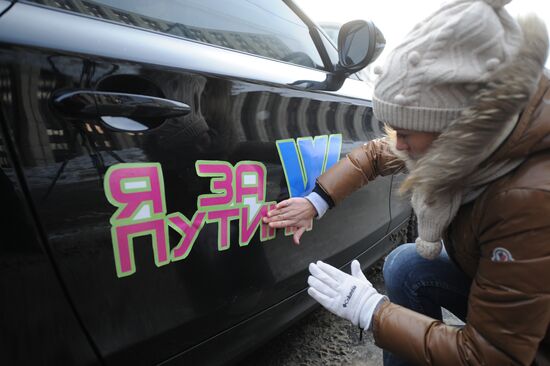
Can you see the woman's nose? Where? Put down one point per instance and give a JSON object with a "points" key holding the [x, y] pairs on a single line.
{"points": [[401, 145]]}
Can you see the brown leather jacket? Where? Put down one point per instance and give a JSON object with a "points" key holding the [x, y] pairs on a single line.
{"points": [[509, 303]]}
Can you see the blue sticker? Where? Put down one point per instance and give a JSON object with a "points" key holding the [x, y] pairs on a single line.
{"points": [[307, 158]]}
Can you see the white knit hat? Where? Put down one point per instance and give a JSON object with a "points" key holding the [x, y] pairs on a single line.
{"points": [[429, 79]]}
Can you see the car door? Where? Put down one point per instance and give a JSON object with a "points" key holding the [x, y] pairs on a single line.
{"points": [[37, 319], [152, 137]]}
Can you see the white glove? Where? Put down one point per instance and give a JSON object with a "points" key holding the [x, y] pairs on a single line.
{"points": [[350, 297]]}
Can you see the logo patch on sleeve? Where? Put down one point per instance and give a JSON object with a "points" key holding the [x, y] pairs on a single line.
{"points": [[501, 255]]}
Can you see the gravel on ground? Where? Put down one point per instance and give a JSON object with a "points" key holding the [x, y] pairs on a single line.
{"points": [[322, 338]]}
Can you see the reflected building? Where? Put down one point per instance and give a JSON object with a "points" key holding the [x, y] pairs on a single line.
{"points": [[258, 44], [252, 114]]}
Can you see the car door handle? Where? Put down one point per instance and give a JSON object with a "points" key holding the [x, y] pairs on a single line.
{"points": [[97, 104]]}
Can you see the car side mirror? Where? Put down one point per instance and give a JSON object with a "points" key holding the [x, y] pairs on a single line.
{"points": [[360, 42]]}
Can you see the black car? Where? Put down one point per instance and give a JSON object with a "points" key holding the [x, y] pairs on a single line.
{"points": [[141, 142]]}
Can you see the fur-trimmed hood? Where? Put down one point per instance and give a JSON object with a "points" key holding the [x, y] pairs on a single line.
{"points": [[469, 142]]}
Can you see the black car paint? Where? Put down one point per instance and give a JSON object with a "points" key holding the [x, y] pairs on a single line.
{"points": [[193, 309], [37, 322]]}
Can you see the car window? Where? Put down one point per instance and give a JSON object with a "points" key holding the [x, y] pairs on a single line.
{"points": [[262, 27], [330, 47]]}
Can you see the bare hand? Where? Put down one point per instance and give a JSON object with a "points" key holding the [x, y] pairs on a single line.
{"points": [[296, 213]]}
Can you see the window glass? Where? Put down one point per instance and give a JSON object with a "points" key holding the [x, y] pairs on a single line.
{"points": [[263, 27], [330, 47]]}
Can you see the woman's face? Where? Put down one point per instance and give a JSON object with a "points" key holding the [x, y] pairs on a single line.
{"points": [[414, 143]]}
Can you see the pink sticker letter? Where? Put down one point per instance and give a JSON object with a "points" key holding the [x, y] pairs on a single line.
{"points": [[223, 217], [248, 229], [221, 187], [123, 238], [128, 186], [250, 181], [189, 230], [268, 233]]}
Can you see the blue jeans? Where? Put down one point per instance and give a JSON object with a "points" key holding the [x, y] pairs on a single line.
{"points": [[424, 286]]}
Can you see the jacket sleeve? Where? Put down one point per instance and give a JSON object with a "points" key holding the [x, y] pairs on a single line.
{"points": [[509, 301], [361, 165]]}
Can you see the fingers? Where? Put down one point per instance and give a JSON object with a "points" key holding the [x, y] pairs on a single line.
{"points": [[291, 213], [275, 216], [321, 287], [356, 270], [293, 209], [298, 234], [319, 297], [283, 204], [277, 209], [331, 271], [322, 276], [280, 224]]}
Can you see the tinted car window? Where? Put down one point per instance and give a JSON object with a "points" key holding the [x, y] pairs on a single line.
{"points": [[262, 27]]}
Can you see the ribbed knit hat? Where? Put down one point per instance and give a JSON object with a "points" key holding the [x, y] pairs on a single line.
{"points": [[429, 79]]}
